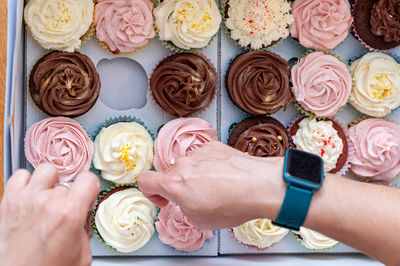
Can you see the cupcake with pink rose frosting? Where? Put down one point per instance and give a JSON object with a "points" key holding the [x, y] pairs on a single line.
{"points": [[176, 230], [321, 84], [321, 24], [61, 142], [124, 26], [376, 149], [178, 138]]}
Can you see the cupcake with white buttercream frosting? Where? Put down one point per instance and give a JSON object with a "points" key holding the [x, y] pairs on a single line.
{"points": [[257, 24], [184, 25], [326, 138], [122, 150], [376, 84], [259, 234], [313, 240], [124, 219], [59, 24]]}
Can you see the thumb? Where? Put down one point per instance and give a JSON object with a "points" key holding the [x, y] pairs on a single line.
{"points": [[149, 183]]}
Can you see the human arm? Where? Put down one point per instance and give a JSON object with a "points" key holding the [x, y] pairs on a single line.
{"points": [[44, 225], [219, 187]]}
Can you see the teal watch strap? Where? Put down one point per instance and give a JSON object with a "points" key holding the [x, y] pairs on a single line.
{"points": [[294, 207]]}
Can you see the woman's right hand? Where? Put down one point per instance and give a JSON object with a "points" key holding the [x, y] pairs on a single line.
{"points": [[218, 186]]}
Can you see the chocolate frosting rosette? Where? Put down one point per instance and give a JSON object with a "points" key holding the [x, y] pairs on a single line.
{"points": [[258, 82], [183, 84], [377, 23], [64, 84], [260, 136]]}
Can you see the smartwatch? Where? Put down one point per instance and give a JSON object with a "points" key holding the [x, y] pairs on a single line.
{"points": [[304, 174]]}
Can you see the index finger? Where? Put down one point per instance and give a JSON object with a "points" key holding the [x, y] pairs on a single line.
{"points": [[86, 187]]}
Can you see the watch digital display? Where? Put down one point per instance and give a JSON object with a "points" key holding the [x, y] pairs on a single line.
{"points": [[305, 166]]}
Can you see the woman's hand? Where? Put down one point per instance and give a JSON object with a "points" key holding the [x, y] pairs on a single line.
{"points": [[218, 186], [44, 225]]}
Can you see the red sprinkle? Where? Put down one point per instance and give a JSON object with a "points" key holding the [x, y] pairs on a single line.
{"points": [[250, 21], [251, 32]]}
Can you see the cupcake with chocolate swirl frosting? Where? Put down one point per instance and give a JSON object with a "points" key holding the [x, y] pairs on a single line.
{"points": [[260, 136], [377, 23], [183, 84], [258, 82], [64, 84]]}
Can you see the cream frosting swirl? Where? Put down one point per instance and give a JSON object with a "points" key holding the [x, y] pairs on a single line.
{"points": [[187, 23], [178, 138], [176, 230], [258, 23], [319, 137], [260, 233], [125, 220], [376, 84], [376, 149], [122, 151], [321, 24], [124, 25], [314, 240], [61, 142], [321, 84], [59, 24]]}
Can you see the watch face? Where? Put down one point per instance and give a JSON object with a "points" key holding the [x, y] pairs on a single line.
{"points": [[305, 166]]}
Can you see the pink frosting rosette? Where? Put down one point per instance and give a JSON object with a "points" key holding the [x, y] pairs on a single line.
{"points": [[178, 138], [321, 84], [124, 25], [176, 230], [376, 149], [61, 142], [321, 24]]}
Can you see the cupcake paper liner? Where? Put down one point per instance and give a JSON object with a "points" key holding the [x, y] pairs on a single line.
{"points": [[228, 33], [105, 46], [250, 247], [350, 147], [108, 123], [173, 47], [298, 106], [367, 179], [196, 113], [314, 250]]}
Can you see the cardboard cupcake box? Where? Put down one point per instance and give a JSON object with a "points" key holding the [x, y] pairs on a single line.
{"points": [[125, 92]]}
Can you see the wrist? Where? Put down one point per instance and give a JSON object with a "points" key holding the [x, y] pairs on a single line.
{"points": [[271, 190]]}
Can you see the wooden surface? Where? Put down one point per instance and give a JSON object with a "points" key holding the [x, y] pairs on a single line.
{"points": [[3, 57]]}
